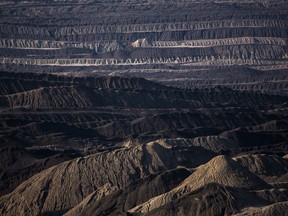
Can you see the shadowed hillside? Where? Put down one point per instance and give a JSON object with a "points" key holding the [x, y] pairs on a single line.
{"points": [[143, 107]]}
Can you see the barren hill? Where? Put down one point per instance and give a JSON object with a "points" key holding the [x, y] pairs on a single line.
{"points": [[67, 117], [120, 107], [120, 201], [62, 187], [221, 170]]}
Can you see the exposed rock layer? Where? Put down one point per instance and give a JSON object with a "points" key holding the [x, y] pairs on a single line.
{"points": [[58, 36]]}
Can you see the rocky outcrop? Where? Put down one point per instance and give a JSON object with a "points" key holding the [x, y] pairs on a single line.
{"points": [[213, 143]]}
